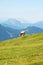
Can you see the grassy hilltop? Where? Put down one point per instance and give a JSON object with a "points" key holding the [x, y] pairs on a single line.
{"points": [[27, 50]]}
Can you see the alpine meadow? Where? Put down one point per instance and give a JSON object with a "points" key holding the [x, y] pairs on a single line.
{"points": [[27, 50]]}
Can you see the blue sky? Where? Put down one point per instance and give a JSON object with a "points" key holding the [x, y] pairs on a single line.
{"points": [[30, 10]]}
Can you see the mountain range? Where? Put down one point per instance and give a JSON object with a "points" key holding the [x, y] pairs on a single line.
{"points": [[11, 28], [8, 33], [15, 24], [33, 30], [39, 24]]}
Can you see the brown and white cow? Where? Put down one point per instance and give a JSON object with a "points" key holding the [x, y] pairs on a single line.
{"points": [[22, 33]]}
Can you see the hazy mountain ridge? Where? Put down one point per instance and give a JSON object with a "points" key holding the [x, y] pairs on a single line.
{"points": [[8, 33], [12, 27], [33, 29], [39, 24], [16, 24]]}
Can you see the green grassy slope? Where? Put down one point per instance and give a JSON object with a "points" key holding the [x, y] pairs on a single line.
{"points": [[27, 50]]}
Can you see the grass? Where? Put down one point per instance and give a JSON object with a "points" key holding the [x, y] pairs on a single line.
{"points": [[27, 50]]}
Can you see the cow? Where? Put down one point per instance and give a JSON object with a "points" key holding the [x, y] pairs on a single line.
{"points": [[22, 33]]}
